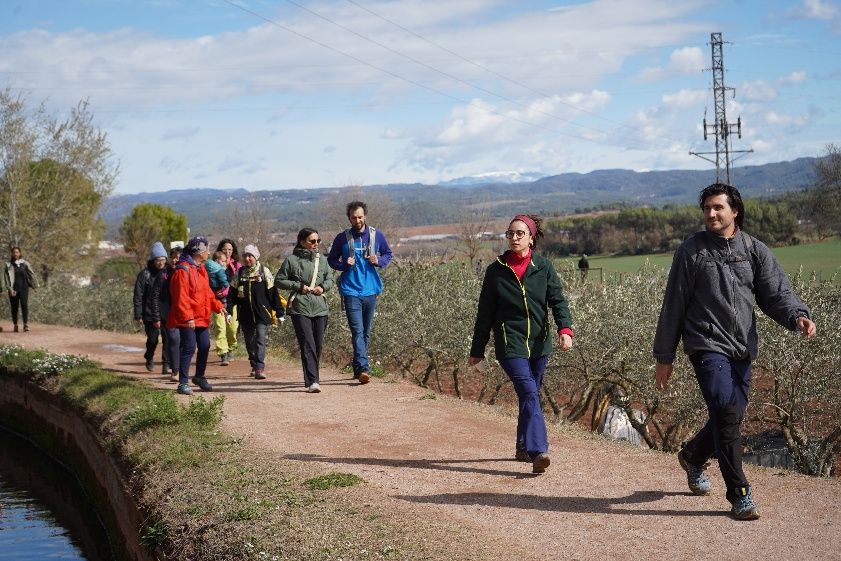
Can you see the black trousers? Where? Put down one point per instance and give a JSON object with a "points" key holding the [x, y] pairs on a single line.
{"points": [[725, 385], [310, 334], [20, 300], [152, 334]]}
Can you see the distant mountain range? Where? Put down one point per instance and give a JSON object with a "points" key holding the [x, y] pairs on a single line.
{"points": [[464, 198]]}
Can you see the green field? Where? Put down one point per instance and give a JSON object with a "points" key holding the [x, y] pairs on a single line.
{"points": [[822, 259]]}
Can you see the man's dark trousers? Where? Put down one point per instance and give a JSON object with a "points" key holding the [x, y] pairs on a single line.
{"points": [[725, 384]]}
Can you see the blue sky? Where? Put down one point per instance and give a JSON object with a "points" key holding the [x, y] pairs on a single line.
{"points": [[291, 94]]}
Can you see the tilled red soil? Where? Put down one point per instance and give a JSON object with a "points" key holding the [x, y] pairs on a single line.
{"points": [[451, 461]]}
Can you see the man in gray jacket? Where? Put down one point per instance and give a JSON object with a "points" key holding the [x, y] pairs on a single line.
{"points": [[716, 278]]}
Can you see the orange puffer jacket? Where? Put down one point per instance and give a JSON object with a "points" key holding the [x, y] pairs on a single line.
{"points": [[191, 296]]}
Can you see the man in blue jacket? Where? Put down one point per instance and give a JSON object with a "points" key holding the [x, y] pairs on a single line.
{"points": [[716, 278], [358, 252]]}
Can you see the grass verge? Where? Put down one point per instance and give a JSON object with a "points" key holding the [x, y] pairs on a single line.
{"points": [[206, 495]]}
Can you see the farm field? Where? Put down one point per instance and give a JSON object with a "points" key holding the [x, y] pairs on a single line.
{"points": [[822, 258]]}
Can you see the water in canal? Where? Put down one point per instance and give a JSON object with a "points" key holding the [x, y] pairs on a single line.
{"points": [[44, 513]]}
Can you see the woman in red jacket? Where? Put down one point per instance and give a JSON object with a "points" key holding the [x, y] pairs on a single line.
{"points": [[192, 302]]}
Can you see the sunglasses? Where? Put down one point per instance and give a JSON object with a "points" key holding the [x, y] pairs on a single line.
{"points": [[511, 234], [317, 240]]}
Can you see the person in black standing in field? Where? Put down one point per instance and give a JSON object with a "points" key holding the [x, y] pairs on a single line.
{"points": [[583, 266], [18, 278]]}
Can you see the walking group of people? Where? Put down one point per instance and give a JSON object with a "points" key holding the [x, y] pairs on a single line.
{"points": [[717, 277], [183, 298]]}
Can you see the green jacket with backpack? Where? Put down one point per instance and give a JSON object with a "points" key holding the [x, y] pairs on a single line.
{"points": [[518, 312], [297, 271]]}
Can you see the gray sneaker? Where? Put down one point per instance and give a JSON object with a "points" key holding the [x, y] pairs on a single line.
{"points": [[314, 388], [203, 384], [184, 389], [743, 506], [695, 476]]}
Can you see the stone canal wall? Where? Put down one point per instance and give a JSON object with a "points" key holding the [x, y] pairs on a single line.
{"points": [[63, 432]]}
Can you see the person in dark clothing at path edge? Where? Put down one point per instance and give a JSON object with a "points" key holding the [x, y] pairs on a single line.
{"points": [[357, 253], [717, 276], [519, 290], [18, 278], [144, 303], [170, 336]]}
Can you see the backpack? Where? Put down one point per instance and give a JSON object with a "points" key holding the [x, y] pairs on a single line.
{"points": [[370, 249]]}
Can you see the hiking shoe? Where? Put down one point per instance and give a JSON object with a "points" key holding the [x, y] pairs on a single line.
{"points": [[184, 389], [258, 374], [314, 388], [364, 378], [202, 383], [522, 456], [743, 506], [695, 476], [150, 365], [224, 359], [540, 463]]}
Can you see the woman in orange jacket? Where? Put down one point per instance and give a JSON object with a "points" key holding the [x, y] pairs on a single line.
{"points": [[192, 302]]}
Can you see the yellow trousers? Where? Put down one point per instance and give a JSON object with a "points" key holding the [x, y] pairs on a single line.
{"points": [[224, 333]]}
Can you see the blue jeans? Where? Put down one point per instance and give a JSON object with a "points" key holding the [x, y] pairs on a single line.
{"points": [[192, 339], [527, 376], [725, 384], [360, 318]]}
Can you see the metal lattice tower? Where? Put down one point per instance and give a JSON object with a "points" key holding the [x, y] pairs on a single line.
{"points": [[720, 128]]}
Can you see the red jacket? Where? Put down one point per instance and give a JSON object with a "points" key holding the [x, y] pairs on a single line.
{"points": [[191, 296]]}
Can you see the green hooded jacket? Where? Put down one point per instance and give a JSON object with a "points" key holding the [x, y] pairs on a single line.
{"points": [[295, 272], [518, 312]]}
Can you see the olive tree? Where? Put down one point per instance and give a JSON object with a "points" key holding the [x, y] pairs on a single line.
{"points": [[798, 387], [54, 174]]}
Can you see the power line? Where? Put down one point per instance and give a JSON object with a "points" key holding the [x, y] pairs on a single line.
{"points": [[485, 68], [409, 80], [447, 74]]}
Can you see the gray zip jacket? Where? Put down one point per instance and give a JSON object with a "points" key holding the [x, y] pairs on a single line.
{"points": [[713, 286]]}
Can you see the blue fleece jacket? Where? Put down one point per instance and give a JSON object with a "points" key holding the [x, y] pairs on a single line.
{"points": [[362, 279]]}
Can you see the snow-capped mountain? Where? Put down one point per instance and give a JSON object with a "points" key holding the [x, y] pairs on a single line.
{"points": [[493, 177]]}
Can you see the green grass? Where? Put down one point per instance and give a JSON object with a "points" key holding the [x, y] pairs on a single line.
{"points": [[822, 258], [332, 480]]}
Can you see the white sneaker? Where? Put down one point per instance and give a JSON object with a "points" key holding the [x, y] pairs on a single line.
{"points": [[315, 388]]}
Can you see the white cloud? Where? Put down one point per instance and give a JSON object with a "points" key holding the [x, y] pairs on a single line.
{"points": [[687, 59], [685, 99], [817, 9], [757, 90], [775, 118], [796, 77]]}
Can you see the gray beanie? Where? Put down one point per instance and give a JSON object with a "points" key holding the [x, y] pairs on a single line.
{"points": [[251, 249], [157, 251]]}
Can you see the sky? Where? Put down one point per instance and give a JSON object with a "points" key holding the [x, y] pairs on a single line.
{"points": [[262, 94]]}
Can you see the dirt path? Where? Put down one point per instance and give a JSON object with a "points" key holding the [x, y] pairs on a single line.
{"points": [[450, 460]]}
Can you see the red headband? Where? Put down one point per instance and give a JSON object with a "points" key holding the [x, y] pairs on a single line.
{"points": [[528, 222]]}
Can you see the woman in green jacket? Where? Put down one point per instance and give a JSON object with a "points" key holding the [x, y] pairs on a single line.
{"points": [[519, 290], [306, 276]]}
